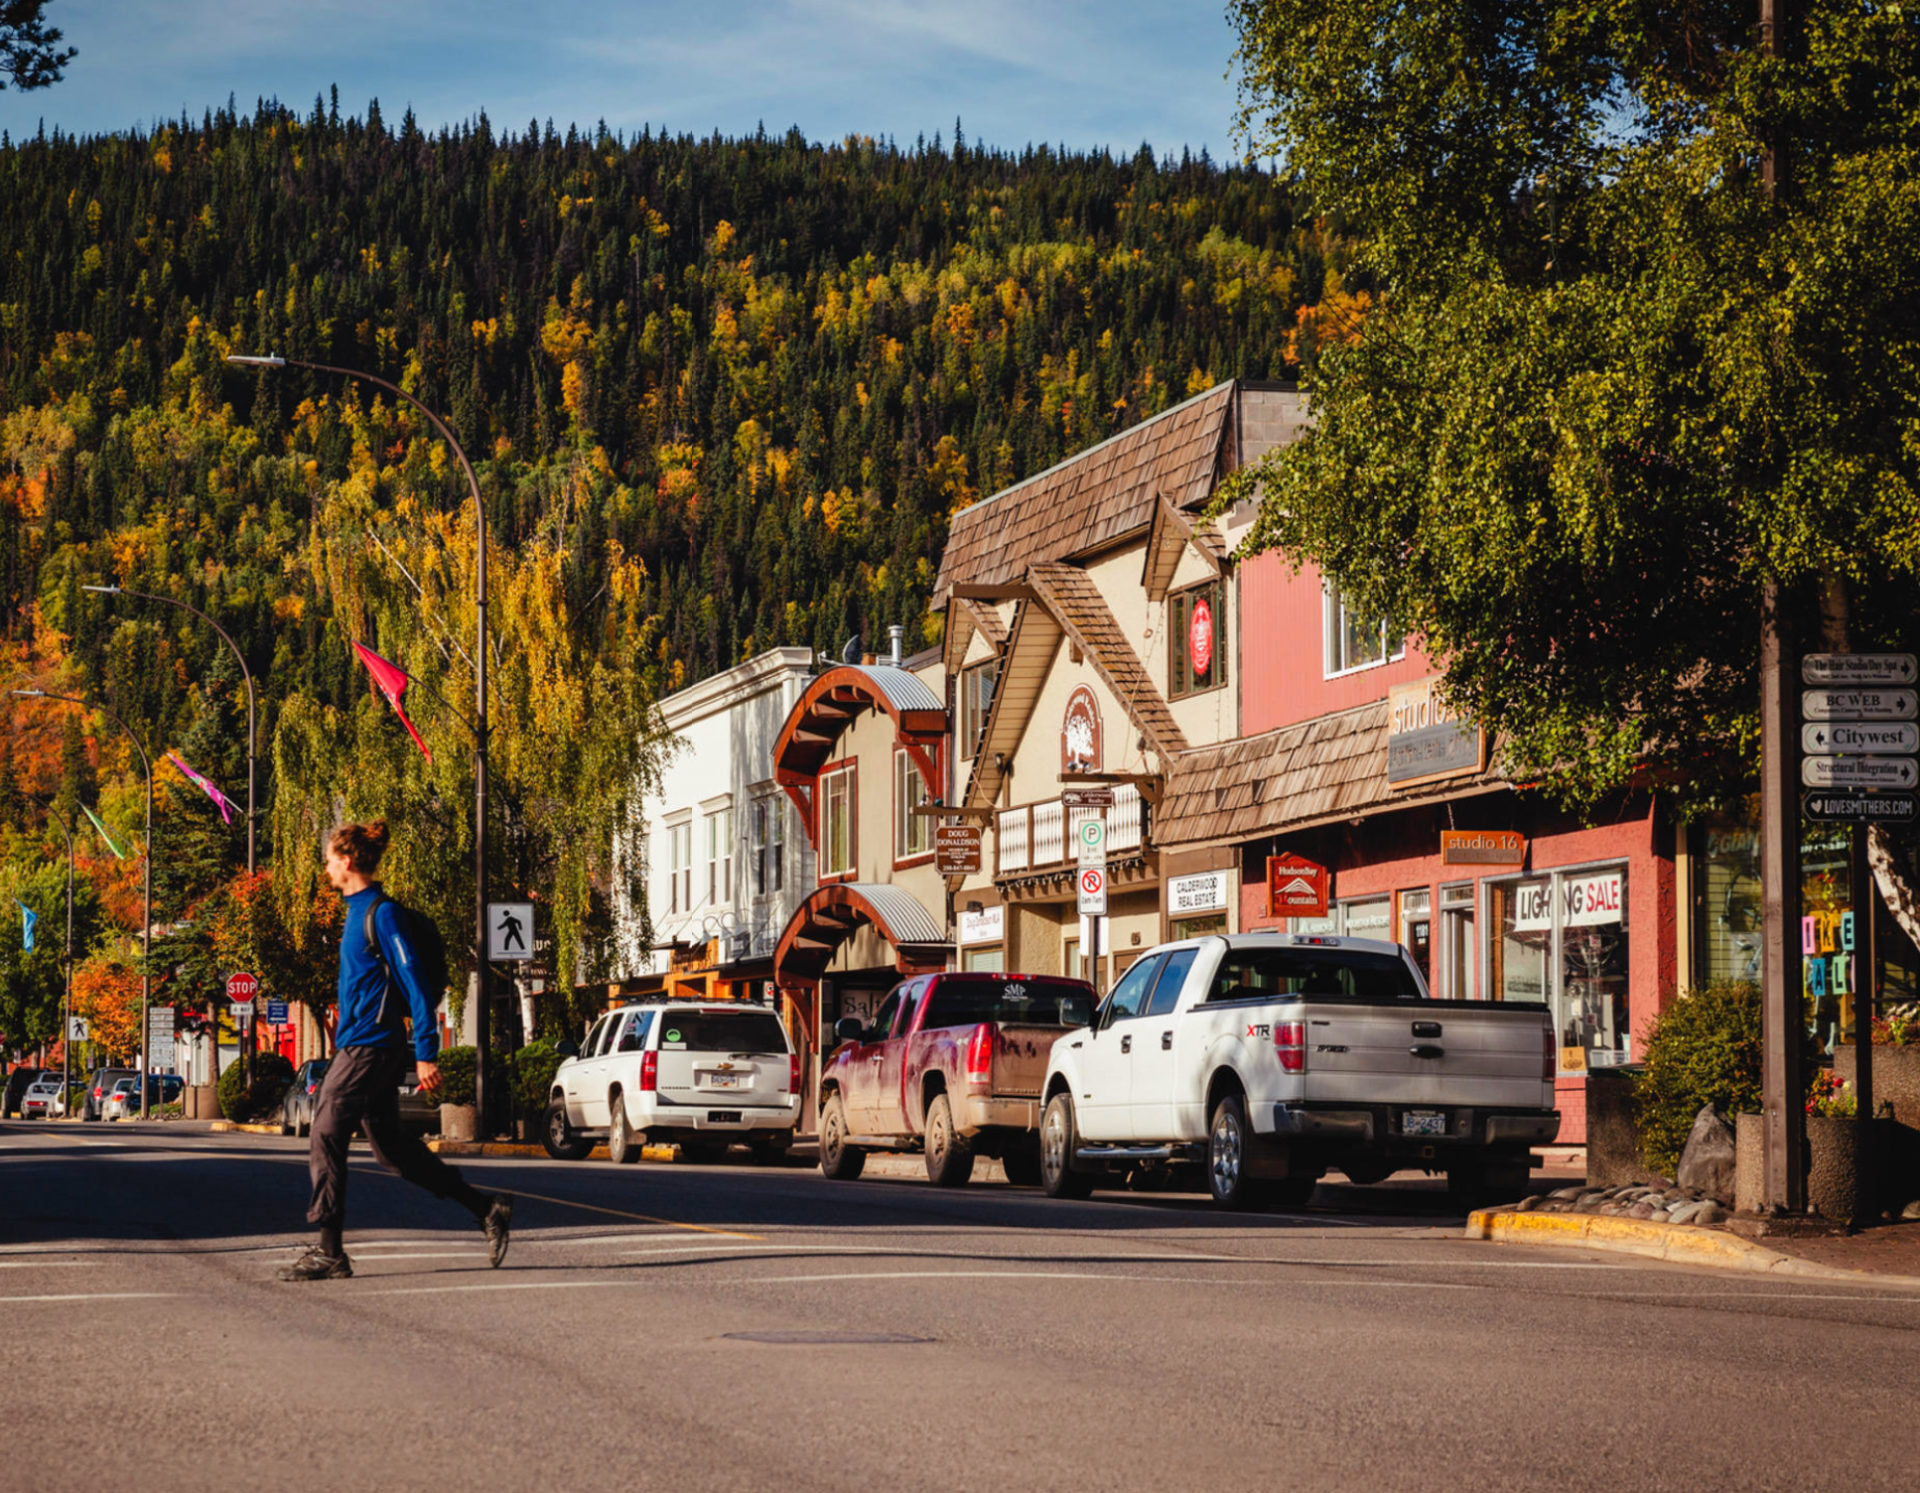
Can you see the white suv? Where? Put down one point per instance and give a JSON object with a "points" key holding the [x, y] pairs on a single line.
{"points": [[702, 1076]]}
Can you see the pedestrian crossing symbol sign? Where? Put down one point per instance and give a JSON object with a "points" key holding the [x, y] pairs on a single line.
{"points": [[509, 930]]}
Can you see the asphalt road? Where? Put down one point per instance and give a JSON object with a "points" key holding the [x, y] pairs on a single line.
{"points": [[661, 1326]]}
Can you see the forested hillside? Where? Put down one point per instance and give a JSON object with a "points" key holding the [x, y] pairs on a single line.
{"points": [[723, 394]]}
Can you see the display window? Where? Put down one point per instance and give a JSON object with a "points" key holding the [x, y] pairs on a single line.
{"points": [[1561, 938]]}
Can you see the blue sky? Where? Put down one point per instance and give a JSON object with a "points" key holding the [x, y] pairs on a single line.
{"points": [[1083, 72]]}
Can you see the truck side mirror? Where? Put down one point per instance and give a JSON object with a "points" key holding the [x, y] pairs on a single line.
{"points": [[848, 1029]]}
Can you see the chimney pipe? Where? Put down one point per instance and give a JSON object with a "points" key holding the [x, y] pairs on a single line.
{"points": [[894, 634]]}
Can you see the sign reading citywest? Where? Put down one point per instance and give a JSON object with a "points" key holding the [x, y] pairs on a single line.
{"points": [[1427, 740], [1297, 888], [1872, 738]]}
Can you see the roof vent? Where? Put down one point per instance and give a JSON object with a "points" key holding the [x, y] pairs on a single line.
{"points": [[894, 635]]}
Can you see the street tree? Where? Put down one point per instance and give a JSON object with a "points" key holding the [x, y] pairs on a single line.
{"points": [[1607, 384], [30, 52]]}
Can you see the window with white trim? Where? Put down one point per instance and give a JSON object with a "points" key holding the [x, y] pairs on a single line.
{"points": [[1353, 641], [836, 822], [720, 856], [769, 844], [912, 833], [977, 685], [680, 866]]}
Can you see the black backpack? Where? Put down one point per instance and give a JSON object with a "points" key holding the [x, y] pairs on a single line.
{"points": [[423, 937]]}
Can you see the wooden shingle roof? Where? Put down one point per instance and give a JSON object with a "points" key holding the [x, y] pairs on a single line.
{"points": [[1090, 499], [1331, 767], [1071, 596]]}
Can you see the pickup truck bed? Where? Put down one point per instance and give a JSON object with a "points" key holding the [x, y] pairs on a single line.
{"points": [[952, 1065], [1269, 1058]]}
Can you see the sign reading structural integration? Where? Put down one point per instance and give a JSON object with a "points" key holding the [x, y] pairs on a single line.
{"points": [[1426, 739]]}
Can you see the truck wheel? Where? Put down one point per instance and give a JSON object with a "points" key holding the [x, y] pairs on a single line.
{"points": [[1227, 1146], [562, 1141], [623, 1146], [949, 1154], [1021, 1161], [838, 1160], [1058, 1141]]}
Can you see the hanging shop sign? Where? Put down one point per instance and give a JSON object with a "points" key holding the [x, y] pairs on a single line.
{"points": [[1427, 740], [1859, 668], [956, 849], [1483, 847], [1297, 888], [1080, 733], [1859, 704], [1200, 638]]}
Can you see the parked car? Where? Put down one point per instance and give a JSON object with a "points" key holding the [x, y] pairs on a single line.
{"points": [[702, 1076], [296, 1105], [42, 1101], [1269, 1058], [124, 1103], [951, 1065], [18, 1082], [100, 1083]]}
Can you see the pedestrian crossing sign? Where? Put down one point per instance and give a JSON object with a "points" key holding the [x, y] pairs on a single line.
{"points": [[509, 930]]}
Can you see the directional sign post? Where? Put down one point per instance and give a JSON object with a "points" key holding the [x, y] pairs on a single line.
{"points": [[1861, 806], [1858, 772], [1874, 738], [1860, 704]]}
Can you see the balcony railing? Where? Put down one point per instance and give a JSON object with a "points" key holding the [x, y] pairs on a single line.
{"points": [[1045, 834], [1011, 838]]}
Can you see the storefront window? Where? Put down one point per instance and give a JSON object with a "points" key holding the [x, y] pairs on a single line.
{"points": [[989, 960], [1200, 927], [1371, 918], [1416, 930], [1459, 953], [1562, 939]]}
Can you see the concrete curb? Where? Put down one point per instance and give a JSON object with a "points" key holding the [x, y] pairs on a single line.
{"points": [[239, 1127], [1676, 1243], [532, 1152]]}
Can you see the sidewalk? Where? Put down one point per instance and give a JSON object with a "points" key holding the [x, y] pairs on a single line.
{"points": [[1888, 1254]]}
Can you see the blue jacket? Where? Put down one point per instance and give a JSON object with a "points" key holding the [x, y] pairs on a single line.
{"points": [[370, 1013]]}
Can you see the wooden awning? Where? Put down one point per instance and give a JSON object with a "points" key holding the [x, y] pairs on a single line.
{"points": [[819, 717]]}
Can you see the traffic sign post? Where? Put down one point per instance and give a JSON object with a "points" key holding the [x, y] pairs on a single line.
{"points": [[241, 989], [1093, 891], [276, 1013], [510, 930]]}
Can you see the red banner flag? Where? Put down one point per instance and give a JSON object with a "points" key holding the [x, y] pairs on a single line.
{"points": [[393, 681]]}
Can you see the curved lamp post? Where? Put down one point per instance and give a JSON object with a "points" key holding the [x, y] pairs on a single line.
{"points": [[66, 1019], [482, 1014], [245, 673], [146, 915]]}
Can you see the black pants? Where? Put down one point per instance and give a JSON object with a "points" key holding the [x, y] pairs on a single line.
{"points": [[362, 1087]]}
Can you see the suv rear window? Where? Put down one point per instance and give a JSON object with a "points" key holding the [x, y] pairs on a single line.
{"points": [[1267, 974], [723, 1031], [967, 1000]]}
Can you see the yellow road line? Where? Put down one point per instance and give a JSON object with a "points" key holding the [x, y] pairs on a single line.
{"points": [[672, 1223]]}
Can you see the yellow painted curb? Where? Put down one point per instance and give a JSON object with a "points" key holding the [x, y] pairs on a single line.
{"points": [[1677, 1243], [237, 1127], [515, 1148]]}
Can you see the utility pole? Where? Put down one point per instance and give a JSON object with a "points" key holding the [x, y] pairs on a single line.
{"points": [[1782, 1017]]}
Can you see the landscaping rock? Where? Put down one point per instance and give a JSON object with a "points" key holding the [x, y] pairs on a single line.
{"points": [[1640, 1210], [1706, 1164], [1911, 1212], [1527, 1205]]}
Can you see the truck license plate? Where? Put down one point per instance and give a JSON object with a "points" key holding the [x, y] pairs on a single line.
{"points": [[723, 1117], [723, 1080], [1424, 1122]]}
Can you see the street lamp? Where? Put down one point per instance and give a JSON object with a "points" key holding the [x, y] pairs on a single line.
{"points": [[245, 673], [482, 1015], [146, 915], [66, 1019]]}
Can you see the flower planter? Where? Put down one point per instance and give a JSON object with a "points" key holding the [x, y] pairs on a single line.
{"points": [[1896, 1078], [459, 1122], [1833, 1167]]}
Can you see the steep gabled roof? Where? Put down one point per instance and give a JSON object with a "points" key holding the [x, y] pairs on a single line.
{"points": [[1091, 499], [1069, 593]]}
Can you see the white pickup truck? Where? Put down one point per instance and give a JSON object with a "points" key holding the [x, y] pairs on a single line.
{"points": [[1267, 1058]]}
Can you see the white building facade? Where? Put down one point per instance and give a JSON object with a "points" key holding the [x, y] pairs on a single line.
{"points": [[719, 849]]}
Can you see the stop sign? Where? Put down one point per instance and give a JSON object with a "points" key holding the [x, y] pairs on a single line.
{"points": [[241, 989]]}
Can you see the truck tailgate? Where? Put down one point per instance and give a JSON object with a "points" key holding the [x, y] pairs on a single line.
{"points": [[1411, 1052], [1020, 1058]]}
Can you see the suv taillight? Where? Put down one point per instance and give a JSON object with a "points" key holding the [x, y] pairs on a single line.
{"points": [[1549, 1056], [980, 1055], [1290, 1041], [793, 1073], [649, 1072]]}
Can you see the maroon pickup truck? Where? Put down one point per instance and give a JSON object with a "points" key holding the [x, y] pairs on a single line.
{"points": [[952, 1066]]}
